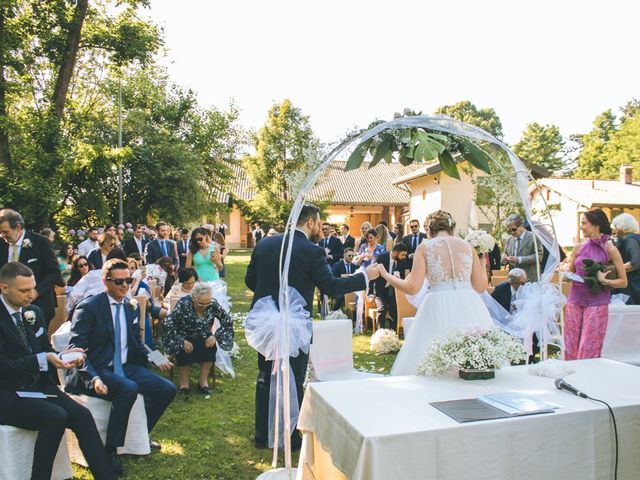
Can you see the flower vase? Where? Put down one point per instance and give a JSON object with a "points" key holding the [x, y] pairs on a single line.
{"points": [[477, 373]]}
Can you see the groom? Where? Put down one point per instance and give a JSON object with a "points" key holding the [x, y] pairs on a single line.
{"points": [[308, 269]]}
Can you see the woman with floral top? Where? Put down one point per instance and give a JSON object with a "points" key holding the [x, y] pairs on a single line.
{"points": [[189, 334]]}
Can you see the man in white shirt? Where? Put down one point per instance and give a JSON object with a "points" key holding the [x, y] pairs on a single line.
{"points": [[137, 243], [91, 243]]}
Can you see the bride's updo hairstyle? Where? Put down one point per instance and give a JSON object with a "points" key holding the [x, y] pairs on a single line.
{"points": [[439, 221]]}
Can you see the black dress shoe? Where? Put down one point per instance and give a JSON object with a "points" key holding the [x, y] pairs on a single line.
{"points": [[118, 468], [205, 390], [154, 445]]}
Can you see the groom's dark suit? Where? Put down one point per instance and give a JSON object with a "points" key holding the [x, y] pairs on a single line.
{"points": [[41, 259], [19, 371], [308, 270]]}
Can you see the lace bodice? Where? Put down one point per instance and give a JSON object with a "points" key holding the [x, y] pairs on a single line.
{"points": [[449, 262]]}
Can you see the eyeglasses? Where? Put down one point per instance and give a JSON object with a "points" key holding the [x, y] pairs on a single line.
{"points": [[82, 265], [121, 281]]}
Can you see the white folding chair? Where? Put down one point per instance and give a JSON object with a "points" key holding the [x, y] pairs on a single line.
{"points": [[331, 352], [16, 455]]}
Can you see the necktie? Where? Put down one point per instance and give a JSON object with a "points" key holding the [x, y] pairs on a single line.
{"points": [[517, 247], [117, 350], [22, 331], [15, 255], [164, 248], [348, 265], [415, 242]]}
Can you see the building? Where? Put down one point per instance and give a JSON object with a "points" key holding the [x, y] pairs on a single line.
{"points": [[356, 196], [567, 198]]}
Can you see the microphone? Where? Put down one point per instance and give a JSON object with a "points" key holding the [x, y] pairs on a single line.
{"points": [[562, 385]]}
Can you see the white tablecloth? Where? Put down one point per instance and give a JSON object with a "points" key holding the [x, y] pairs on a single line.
{"points": [[622, 341], [385, 429]]}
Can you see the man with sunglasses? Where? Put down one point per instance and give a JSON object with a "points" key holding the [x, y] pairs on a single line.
{"points": [[412, 241], [107, 327], [344, 267], [520, 250]]}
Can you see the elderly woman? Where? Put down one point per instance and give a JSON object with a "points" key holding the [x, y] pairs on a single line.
{"points": [[587, 312], [188, 334], [628, 242]]}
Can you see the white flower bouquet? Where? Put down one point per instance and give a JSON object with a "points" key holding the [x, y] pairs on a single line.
{"points": [[480, 240], [336, 315], [385, 341], [475, 349]]}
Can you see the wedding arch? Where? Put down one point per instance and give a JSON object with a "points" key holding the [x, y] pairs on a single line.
{"points": [[412, 139]]}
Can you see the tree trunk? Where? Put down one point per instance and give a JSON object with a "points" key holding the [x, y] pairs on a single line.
{"points": [[66, 68], [5, 158]]}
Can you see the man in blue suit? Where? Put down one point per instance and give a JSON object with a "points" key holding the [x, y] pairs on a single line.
{"points": [[331, 244], [162, 246], [107, 326]]}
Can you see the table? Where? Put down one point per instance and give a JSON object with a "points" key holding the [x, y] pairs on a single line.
{"points": [[385, 428], [622, 340]]}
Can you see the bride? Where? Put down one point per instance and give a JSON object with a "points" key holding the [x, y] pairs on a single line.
{"points": [[456, 278]]}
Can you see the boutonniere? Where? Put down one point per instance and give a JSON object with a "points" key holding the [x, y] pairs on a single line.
{"points": [[133, 303], [30, 317], [26, 243]]}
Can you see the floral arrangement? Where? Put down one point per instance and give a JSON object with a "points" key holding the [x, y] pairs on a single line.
{"points": [[475, 348], [30, 316], [480, 240], [385, 341], [336, 315]]}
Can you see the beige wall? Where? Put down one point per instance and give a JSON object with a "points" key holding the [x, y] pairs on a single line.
{"points": [[434, 192]]}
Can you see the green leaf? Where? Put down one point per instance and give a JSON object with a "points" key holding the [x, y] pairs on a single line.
{"points": [[382, 150], [404, 159], [448, 164], [476, 156], [357, 156]]}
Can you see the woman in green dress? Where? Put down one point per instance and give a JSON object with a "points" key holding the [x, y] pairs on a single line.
{"points": [[204, 255]]}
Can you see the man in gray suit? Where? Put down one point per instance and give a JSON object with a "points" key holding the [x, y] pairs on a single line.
{"points": [[520, 250]]}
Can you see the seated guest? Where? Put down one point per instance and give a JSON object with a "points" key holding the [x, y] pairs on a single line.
{"points": [[393, 262], [167, 265], [344, 267], [506, 292], [628, 242], [187, 279], [25, 360], [188, 334], [98, 256], [79, 269], [140, 288], [107, 326]]}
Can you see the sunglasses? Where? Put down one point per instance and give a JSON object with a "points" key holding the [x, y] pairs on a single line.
{"points": [[415, 226], [199, 239], [121, 281], [82, 265], [514, 229], [349, 256]]}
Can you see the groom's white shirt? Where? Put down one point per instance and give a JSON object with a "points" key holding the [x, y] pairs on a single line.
{"points": [[366, 279]]}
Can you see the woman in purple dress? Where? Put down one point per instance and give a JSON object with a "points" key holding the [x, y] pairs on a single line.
{"points": [[587, 313]]}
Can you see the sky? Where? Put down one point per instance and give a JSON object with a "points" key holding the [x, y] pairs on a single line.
{"points": [[346, 63]]}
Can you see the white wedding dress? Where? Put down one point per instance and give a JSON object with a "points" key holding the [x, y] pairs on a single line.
{"points": [[450, 303]]}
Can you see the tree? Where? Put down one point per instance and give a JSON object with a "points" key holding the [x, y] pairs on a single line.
{"points": [[591, 159], [47, 51], [542, 146], [283, 146], [623, 148], [465, 111]]}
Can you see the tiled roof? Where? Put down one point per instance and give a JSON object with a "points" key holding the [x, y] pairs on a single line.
{"points": [[362, 186], [595, 193], [356, 187]]}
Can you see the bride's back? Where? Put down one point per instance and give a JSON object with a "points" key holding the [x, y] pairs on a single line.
{"points": [[449, 262]]}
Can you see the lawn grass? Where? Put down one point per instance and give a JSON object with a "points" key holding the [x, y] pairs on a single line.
{"points": [[213, 438]]}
